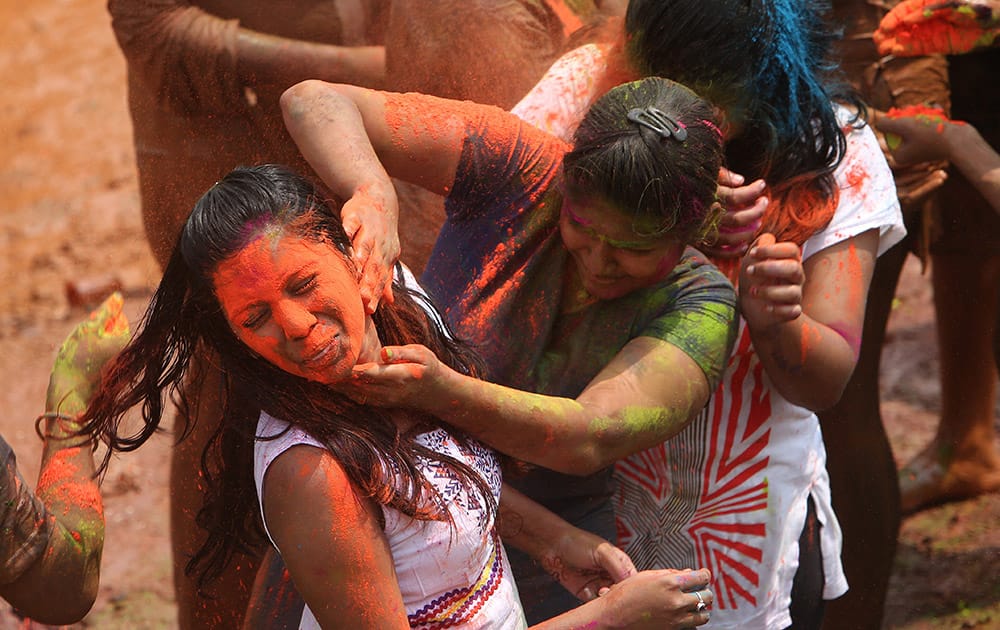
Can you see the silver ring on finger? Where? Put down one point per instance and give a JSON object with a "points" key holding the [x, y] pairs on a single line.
{"points": [[701, 602]]}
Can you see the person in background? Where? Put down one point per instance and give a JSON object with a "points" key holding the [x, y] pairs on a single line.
{"points": [[859, 456], [963, 459]]}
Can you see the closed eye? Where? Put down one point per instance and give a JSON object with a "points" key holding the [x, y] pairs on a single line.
{"points": [[304, 286], [255, 319]]}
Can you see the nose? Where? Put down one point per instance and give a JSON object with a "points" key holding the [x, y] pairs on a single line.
{"points": [[601, 257], [295, 319]]}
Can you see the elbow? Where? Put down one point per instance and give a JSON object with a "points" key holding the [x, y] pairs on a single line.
{"points": [[817, 399], [74, 609], [75, 600], [297, 99], [592, 458]]}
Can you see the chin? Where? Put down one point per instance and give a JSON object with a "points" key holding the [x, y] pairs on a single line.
{"points": [[608, 292]]}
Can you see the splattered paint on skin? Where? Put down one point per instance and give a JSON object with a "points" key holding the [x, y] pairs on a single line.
{"points": [[923, 113], [59, 480]]}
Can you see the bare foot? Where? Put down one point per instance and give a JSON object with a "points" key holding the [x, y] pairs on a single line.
{"points": [[937, 476]]}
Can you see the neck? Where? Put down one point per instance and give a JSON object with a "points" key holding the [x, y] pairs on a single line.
{"points": [[619, 69]]}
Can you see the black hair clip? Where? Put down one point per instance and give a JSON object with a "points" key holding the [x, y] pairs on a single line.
{"points": [[654, 119]]}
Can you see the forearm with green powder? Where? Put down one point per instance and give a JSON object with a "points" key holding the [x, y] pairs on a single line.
{"points": [[53, 538], [645, 396]]}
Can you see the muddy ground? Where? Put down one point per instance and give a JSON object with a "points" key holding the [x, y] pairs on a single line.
{"points": [[69, 214]]}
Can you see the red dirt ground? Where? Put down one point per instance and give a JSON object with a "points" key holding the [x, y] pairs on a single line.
{"points": [[70, 213]]}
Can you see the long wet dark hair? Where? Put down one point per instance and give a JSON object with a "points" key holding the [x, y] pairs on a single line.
{"points": [[184, 318], [666, 182], [769, 64]]}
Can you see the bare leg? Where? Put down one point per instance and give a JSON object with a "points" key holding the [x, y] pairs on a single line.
{"points": [[962, 461], [861, 467], [275, 603], [229, 594]]}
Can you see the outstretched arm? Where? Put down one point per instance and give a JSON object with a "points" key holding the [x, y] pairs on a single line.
{"points": [[584, 563], [51, 565], [923, 140], [645, 395]]}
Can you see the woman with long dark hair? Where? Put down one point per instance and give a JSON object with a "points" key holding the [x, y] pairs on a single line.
{"points": [[384, 517]]}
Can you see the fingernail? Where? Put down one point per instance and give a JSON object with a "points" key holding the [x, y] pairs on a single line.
{"points": [[754, 291], [751, 269], [386, 354]]}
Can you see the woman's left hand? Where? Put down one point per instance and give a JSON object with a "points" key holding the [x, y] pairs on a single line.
{"points": [[586, 564], [660, 599], [771, 279], [406, 376]]}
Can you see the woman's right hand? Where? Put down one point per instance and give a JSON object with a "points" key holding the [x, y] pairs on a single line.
{"points": [[744, 209], [408, 376], [663, 599]]}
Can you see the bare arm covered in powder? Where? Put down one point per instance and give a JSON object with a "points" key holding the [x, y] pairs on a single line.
{"points": [[925, 140], [355, 138], [339, 556], [198, 62], [54, 538], [806, 319], [644, 396]]}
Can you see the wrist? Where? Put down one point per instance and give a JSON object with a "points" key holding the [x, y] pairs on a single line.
{"points": [[55, 426]]}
